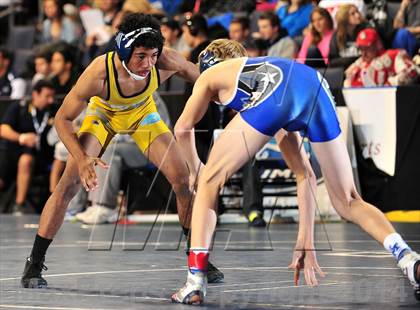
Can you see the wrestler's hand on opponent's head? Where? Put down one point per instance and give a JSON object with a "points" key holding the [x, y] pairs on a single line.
{"points": [[305, 259], [87, 172]]}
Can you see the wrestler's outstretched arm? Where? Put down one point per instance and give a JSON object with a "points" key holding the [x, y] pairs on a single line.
{"points": [[304, 255], [89, 84]]}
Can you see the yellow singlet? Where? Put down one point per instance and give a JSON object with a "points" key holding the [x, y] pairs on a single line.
{"points": [[135, 115]]}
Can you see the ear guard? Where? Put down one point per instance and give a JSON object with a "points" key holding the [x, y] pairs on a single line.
{"points": [[124, 41], [207, 60]]}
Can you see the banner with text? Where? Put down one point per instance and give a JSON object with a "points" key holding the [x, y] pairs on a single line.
{"points": [[373, 112]]}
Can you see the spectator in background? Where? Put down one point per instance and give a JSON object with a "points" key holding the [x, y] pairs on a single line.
{"points": [[213, 8], [295, 16], [172, 33], [101, 35], [25, 149], [380, 67], [109, 9], [170, 7], [316, 44], [239, 29], [377, 16], [60, 151], [416, 58], [56, 26], [63, 69], [255, 47], [278, 43], [94, 44], [72, 12], [343, 49], [9, 84], [93, 47], [195, 33], [269, 5], [333, 6], [78, 203], [407, 21], [140, 6], [42, 63]]}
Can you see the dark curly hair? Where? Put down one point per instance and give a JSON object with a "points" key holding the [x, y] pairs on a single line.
{"points": [[135, 21]]}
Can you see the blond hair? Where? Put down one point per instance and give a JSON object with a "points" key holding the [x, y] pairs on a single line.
{"points": [[342, 19], [225, 49]]}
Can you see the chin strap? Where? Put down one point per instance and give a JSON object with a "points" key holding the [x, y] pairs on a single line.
{"points": [[133, 75]]}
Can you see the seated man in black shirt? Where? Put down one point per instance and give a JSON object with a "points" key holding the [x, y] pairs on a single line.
{"points": [[63, 69], [23, 147], [10, 85]]}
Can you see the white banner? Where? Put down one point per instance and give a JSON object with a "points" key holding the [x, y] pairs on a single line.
{"points": [[373, 112]]}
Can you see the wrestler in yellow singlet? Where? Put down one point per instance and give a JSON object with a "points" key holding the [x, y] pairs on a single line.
{"points": [[135, 115]]}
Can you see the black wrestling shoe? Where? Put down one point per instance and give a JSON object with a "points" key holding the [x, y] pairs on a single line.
{"points": [[214, 275], [32, 277]]}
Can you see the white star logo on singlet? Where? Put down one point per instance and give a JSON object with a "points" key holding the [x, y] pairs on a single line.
{"points": [[259, 81], [269, 78]]}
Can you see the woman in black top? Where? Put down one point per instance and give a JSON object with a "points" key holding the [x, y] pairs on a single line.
{"points": [[343, 50]]}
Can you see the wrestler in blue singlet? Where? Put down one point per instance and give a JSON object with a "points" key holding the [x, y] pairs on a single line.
{"points": [[275, 93]]}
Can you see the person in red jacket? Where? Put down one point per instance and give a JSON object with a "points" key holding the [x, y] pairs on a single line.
{"points": [[379, 67]]}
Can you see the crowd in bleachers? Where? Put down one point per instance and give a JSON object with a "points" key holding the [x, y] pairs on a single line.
{"points": [[371, 43]]}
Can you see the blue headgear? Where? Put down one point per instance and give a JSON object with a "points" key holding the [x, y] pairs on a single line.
{"points": [[124, 42], [207, 60]]}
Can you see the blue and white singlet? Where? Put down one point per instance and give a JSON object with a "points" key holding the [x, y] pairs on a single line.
{"points": [[274, 93]]}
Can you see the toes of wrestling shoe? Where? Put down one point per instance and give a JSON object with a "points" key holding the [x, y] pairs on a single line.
{"points": [[214, 275], [194, 298], [256, 219], [34, 283], [32, 274], [417, 294]]}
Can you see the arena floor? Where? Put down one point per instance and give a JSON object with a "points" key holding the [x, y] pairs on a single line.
{"points": [[140, 270]]}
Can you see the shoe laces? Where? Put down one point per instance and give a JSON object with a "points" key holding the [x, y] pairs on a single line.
{"points": [[39, 264]]}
